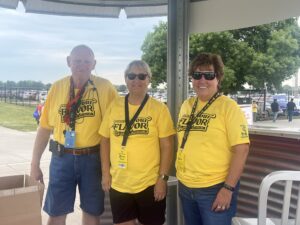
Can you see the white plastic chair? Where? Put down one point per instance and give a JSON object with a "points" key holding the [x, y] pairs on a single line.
{"points": [[288, 177]]}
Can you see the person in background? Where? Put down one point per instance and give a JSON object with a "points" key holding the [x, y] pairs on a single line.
{"points": [[290, 107], [275, 109], [254, 111], [213, 144], [136, 151], [73, 110], [38, 112]]}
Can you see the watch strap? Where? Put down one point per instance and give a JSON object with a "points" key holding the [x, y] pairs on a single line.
{"points": [[228, 187]]}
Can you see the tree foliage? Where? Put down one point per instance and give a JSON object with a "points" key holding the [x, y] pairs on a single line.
{"points": [[28, 84], [155, 53], [261, 55]]}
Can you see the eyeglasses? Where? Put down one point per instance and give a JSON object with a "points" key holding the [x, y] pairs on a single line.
{"points": [[208, 75], [132, 76]]}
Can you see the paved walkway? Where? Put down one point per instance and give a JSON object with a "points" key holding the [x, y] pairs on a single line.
{"points": [[16, 149], [280, 123], [15, 156]]}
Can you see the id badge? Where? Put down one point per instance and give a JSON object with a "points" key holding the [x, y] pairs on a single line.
{"points": [[122, 159], [180, 160], [70, 139]]}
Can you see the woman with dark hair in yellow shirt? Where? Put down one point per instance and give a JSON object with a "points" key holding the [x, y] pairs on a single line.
{"points": [[213, 146]]}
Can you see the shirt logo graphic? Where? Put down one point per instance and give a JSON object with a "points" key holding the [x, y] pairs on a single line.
{"points": [[85, 109], [140, 126], [201, 123], [244, 131]]}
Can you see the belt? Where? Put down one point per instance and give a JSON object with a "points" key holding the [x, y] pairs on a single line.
{"points": [[83, 151]]}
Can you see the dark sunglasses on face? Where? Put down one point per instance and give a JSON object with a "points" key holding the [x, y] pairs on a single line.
{"points": [[208, 75], [141, 76]]}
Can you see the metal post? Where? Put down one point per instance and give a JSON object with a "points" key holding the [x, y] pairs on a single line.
{"points": [[178, 55], [264, 107], [177, 81]]}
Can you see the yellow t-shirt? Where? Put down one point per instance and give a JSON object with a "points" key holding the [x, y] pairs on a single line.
{"points": [[89, 113], [208, 148], [254, 107], [143, 151]]}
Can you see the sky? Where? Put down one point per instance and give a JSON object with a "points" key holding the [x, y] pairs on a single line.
{"points": [[35, 46]]}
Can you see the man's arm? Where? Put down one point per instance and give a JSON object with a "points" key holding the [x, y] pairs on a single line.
{"points": [[166, 156], [105, 163], [235, 171], [40, 144]]}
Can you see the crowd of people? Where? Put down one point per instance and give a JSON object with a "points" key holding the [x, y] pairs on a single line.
{"points": [[124, 146], [275, 109]]}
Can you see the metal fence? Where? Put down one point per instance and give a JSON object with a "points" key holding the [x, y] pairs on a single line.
{"points": [[22, 95]]}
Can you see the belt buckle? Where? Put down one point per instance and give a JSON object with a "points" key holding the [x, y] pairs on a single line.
{"points": [[76, 152]]}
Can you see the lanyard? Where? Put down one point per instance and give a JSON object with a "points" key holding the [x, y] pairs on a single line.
{"points": [[192, 118], [130, 123], [73, 104]]}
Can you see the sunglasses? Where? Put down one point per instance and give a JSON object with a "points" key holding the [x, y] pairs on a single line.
{"points": [[140, 76], [208, 75]]}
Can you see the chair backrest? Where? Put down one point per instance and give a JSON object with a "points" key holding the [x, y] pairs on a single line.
{"points": [[288, 177]]}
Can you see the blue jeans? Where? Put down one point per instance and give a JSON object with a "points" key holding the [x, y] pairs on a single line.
{"points": [[290, 115], [66, 173], [275, 114], [197, 203]]}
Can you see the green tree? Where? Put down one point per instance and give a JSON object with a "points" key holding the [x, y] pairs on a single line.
{"points": [[286, 88], [31, 84], [28, 84], [267, 54], [277, 53], [236, 55], [11, 84], [121, 88], [155, 53]]}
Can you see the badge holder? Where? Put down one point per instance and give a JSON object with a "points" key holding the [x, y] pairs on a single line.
{"points": [[180, 160], [122, 158], [70, 139]]}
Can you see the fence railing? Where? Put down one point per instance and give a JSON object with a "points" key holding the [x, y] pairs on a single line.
{"points": [[22, 95]]}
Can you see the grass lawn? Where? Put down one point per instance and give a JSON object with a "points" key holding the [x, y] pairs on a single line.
{"points": [[17, 117]]}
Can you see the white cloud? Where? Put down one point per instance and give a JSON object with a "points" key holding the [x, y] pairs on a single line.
{"points": [[34, 47]]}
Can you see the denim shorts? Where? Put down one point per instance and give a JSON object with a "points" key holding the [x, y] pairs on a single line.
{"points": [[197, 202], [66, 173]]}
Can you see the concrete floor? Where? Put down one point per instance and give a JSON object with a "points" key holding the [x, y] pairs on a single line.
{"points": [[15, 156]]}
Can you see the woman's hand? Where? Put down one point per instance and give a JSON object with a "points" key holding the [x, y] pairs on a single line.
{"points": [[222, 201], [160, 190]]}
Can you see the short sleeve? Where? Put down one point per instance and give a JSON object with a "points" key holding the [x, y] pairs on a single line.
{"points": [[165, 123]]}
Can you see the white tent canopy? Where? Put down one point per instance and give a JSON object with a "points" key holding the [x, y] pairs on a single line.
{"points": [[92, 8], [203, 15], [220, 15]]}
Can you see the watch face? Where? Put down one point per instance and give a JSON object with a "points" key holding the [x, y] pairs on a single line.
{"points": [[165, 177]]}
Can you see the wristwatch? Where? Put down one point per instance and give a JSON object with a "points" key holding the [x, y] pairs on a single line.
{"points": [[164, 177], [228, 187]]}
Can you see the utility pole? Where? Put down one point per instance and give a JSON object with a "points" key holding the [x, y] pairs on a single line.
{"points": [[296, 89]]}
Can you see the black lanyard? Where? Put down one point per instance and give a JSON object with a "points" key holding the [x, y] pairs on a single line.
{"points": [[192, 118], [130, 123]]}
